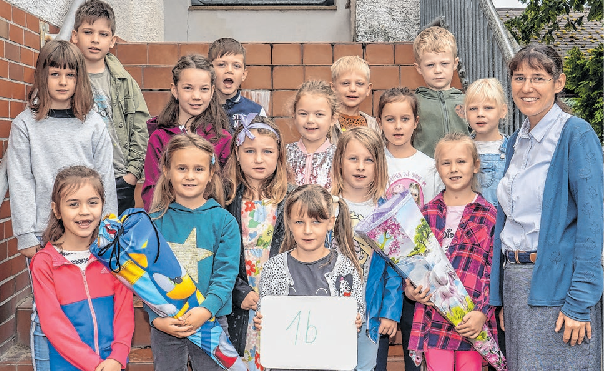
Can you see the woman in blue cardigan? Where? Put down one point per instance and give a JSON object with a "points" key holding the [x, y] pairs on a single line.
{"points": [[547, 268]]}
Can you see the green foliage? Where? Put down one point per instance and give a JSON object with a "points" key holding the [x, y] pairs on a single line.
{"points": [[422, 233], [585, 78], [545, 14]]}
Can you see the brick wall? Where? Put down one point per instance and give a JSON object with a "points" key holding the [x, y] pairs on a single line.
{"points": [[278, 68], [19, 46]]}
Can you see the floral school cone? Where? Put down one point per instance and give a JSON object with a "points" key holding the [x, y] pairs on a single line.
{"points": [[400, 234], [138, 255]]}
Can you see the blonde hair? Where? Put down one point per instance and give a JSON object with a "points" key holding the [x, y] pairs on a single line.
{"points": [[486, 90], [315, 202], [274, 187], [164, 191], [468, 141], [434, 39], [350, 63], [372, 141], [317, 87]]}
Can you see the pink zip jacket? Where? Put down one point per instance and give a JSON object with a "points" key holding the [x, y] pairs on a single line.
{"points": [[87, 316]]}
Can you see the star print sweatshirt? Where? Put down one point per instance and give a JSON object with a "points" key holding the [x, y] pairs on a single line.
{"points": [[207, 243]]}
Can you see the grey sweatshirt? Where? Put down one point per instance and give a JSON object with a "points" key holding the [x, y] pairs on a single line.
{"points": [[37, 150]]}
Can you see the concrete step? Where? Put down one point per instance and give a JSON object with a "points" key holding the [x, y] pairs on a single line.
{"points": [[141, 336]]}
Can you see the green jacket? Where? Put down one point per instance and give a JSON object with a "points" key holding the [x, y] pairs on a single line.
{"points": [[129, 115], [440, 113]]}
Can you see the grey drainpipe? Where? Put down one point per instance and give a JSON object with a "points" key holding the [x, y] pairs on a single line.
{"points": [[66, 28]]}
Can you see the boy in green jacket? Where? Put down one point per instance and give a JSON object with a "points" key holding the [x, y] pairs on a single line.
{"points": [[441, 106], [116, 95]]}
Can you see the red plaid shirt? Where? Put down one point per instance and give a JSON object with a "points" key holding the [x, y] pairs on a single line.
{"points": [[470, 254]]}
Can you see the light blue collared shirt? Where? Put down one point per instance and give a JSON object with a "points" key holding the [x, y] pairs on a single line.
{"points": [[520, 190]]}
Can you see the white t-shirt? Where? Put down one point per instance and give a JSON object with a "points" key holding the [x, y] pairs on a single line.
{"points": [[417, 174], [489, 147], [357, 212], [452, 221]]}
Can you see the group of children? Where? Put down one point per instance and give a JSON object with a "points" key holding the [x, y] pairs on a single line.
{"points": [[247, 214]]}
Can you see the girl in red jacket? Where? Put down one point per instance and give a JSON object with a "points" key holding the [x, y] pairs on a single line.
{"points": [[86, 313]]}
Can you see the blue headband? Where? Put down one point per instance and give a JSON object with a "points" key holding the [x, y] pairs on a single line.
{"points": [[248, 125]]}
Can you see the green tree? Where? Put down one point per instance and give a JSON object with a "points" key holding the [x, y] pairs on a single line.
{"points": [[584, 71]]}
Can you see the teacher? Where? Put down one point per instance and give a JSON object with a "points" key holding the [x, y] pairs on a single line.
{"points": [[547, 269]]}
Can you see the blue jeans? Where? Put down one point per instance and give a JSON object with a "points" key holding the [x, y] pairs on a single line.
{"points": [[39, 345], [367, 350], [492, 171]]}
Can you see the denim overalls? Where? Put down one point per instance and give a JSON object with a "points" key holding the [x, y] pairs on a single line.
{"points": [[491, 172]]}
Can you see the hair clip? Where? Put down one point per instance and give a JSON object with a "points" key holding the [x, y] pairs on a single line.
{"points": [[336, 207], [213, 159]]}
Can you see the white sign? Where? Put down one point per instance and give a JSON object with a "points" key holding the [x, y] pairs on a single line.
{"points": [[309, 332]]}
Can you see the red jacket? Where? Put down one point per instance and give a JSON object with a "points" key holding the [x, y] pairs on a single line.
{"points": [[87, 316]]}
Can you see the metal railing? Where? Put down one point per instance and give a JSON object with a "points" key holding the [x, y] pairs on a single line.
{"points": [[484, 45]]}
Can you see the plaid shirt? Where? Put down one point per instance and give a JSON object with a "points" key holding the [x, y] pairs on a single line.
{"points": [[470, 253]]}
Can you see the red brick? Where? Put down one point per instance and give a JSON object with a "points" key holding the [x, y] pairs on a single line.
{"points": [[456, 82], [16, 34], [53, 29], [19, 16], [5, 129], [384, 77], [135, 72], [21, 281], [259, 77], [403, 54], [5, 10], [410, 78], [192, 48], [15, 72], [7, 290], [132, 53], [379, 53], [318, 73], [163, 54], [7, 330], [376, 95], [12, 247], [16, 108], [19, 92], [2, 50], [12, 52], [27, 57], [289, 131], [156, 77], [5, 87], [8, 229], [258, 54], [5, 270], [31, 39], [367, 106], [18, 265], [317, 54], [28, 75], [3, 113], [156, 100], [286, 54], [342, 50], [32, 22], [287, 77], [4, 29], [3, 69], [282, 101]]}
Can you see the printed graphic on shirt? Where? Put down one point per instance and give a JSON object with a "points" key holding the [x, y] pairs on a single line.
{"points": [[403, 181], [448, 235], [363, 249], [238, 119], [344, 285], [101, 105], [460, 111]]}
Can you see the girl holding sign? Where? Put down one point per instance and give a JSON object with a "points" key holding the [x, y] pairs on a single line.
{"points": [[304, 266]]}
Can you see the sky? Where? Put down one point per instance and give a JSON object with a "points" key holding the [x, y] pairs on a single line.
{"points": [[508, 4]]}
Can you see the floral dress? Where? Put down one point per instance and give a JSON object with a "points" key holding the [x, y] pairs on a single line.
{"points": [[258, 222]]}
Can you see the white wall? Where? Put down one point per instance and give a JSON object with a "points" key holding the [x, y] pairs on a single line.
{"points": [[137, 20]]}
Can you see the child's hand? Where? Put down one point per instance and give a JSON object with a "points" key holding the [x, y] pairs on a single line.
{"points": [[250, 301], [358, 321], [173, 327], [258, 321], [501, 318], [417, 294], [196, 317], [471, 324], [109, 365], [388, 327]]}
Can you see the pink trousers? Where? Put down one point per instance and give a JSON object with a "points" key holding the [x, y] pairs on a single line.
{"points": [[450, 360]]}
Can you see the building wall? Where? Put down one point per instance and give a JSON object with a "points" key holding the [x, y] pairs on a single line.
{"points": [[386, 20], [136, 20], [19, 45]]}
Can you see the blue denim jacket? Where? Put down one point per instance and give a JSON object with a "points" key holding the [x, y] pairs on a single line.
{"points": [[491, 172]]}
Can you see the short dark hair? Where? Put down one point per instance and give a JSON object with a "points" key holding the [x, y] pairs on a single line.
{"points": [[224, 46], [92, 10]]}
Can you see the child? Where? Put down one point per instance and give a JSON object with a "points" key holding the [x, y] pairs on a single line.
{"points": [[229, 59], [257, 194], [360, 175], [187, 210], [441, 106], [408, 169], [116, 94], [304, 266], [59, 111], [315, 109], [193, 107], [485, 106], [351, 81], [463, 223], [86, 313]]}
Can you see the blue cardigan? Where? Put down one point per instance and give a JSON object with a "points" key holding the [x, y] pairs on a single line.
{"points": [[568, 270]]}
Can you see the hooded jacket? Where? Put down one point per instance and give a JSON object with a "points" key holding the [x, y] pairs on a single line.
{"points": [[441, 112]]}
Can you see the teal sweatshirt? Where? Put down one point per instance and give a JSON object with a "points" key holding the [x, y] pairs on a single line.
{"points": [[207, 243]]}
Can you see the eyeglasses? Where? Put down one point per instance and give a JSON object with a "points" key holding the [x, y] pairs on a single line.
{"points": [[536, 80]]}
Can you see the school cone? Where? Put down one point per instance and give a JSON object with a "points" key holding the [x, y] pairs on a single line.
{"points": [[399, 233], [132, 248]]}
